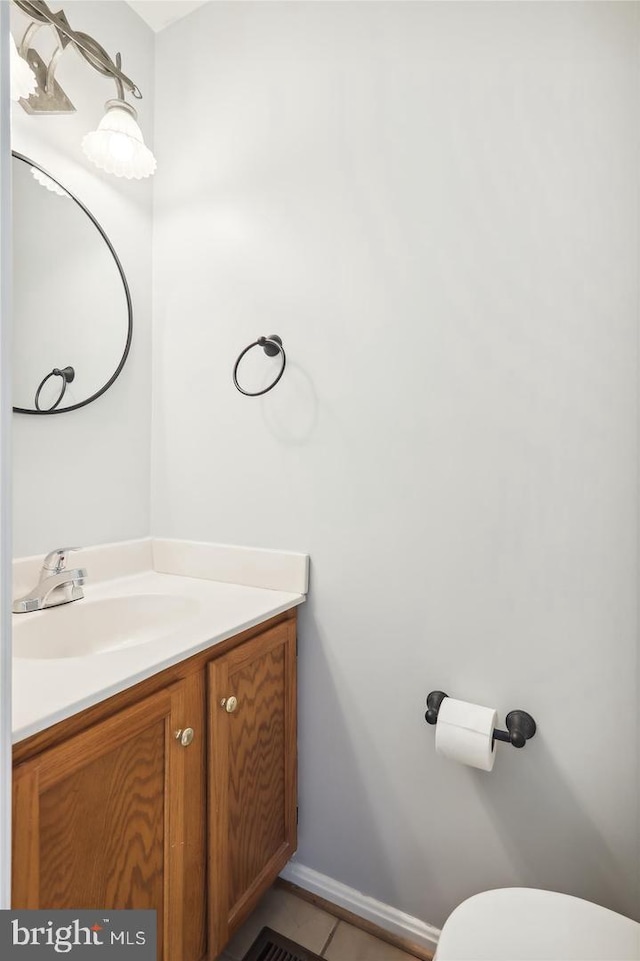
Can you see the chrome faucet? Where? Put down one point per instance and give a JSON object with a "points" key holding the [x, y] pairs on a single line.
{"points": [[56, 585]]}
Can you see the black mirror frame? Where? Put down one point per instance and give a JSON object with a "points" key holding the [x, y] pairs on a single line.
{"points": [[127, 347]]}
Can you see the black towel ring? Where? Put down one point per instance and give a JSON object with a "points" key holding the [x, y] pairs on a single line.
{"points": [[67, 374], [272, 346]]}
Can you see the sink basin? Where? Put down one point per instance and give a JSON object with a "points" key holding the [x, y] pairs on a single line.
{"points": [[99, 626]]}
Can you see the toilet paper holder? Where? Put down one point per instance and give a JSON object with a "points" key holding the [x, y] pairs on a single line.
{"points": [[520, 725]]}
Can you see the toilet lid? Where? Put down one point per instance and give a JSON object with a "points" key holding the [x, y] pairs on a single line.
{"points": [[525, 924]]}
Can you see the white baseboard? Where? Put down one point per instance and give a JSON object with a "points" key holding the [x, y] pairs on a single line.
{"points": [[388, 918]]}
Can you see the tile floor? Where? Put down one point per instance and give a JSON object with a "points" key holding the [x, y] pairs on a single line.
{"points": [[311, 927]]}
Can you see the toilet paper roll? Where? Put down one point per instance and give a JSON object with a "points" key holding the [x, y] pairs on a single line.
{"points": [[464, 733]]}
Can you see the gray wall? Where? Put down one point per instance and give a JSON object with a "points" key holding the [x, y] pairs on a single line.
{"points": [[83, 477], [435, 205]]}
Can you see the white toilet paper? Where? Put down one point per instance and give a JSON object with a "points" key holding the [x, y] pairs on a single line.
{"points": [[464, 733]]}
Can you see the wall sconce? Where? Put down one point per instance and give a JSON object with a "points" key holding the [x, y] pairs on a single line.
{"points": [[117, 146]]}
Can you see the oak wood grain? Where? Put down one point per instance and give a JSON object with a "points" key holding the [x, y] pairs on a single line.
{"points": [[194, 900], [252, 774], [256, 768], [99, 819], [25, 862]]}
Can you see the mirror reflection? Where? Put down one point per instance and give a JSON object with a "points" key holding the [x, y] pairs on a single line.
{"points": [[71, 303]]}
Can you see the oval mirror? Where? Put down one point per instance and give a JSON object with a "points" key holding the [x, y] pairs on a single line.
{"points": [[72, 315]]}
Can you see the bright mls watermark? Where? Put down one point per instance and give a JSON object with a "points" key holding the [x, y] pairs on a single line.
{"points": [[78, 935]]}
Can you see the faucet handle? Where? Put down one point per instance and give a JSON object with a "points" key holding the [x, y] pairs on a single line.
{"points": [[56, 560]]}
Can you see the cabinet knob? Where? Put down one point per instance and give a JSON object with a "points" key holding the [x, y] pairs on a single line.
{"points": [[229, 704], [185, 736]]}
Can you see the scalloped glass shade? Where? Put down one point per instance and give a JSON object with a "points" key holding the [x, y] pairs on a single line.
{"points": [[48, 183], [23, 79], [117, 146]]}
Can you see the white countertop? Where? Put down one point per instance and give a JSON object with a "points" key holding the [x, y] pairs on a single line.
{"points": [[46, 691]]}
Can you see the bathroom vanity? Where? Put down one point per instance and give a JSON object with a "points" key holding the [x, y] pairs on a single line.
{"points": [[178, 792]]}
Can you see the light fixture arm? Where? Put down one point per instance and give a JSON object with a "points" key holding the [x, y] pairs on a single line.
{"points": [[119, 85], [87, 47], [25, 43]]}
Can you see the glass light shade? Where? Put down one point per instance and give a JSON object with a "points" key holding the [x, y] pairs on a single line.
{"points": [[23, 79], [117, 146], [48, 183]]}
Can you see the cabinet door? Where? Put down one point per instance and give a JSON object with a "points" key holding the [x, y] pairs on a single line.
{"points": [[99, 820], [252, 774]]}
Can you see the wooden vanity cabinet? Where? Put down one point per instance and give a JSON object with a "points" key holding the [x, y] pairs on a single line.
{"points": [[112, 810]]}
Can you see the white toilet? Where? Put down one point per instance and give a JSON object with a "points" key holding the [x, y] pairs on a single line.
{"points": [[525, 924]]}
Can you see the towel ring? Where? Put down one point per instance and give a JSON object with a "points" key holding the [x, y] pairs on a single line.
{"points": [[272, 346], [67, 374]]}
